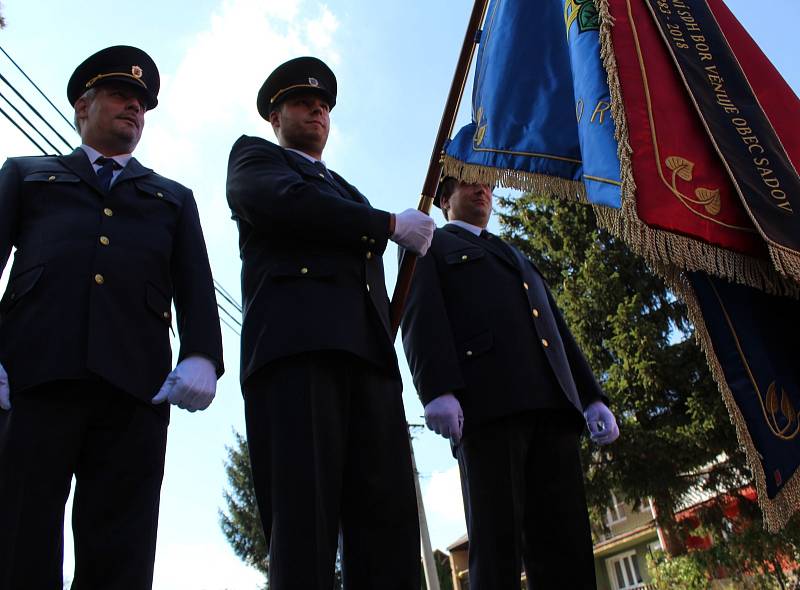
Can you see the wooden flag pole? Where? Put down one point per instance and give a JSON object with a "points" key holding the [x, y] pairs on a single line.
{"points": [[409, 260]]}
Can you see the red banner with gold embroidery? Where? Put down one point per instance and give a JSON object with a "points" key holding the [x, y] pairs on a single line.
{"points": [[681, 205]]}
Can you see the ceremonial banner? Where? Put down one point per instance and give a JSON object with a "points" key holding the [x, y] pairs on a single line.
{"points": [[682, 184], [695, 168], [541, 106], [743, 332]]}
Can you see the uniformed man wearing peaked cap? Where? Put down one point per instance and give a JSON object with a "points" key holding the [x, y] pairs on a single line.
{"points": [[104, 247], [501, 376], [325, 422]]}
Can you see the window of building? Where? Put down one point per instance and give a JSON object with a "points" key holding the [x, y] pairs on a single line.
{"points": [[624, 571], [616, 512]]}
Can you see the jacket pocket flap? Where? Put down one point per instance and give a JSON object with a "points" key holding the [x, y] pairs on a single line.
{"points": [[55, 176], [159, 304], [476, 345], [314, 269], [19, 286], [157, 191], [464, 255]]}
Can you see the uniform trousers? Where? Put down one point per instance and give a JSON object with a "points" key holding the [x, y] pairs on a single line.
{"points": [[330, 455], [522, 485], [114, 445]]}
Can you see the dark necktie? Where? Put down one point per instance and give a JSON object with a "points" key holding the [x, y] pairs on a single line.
{"points": [[106, 172], [323, 169]]}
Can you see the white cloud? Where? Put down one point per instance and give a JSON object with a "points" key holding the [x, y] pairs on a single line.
{"points": [[178, 568], [212, 93], [442, 498]]}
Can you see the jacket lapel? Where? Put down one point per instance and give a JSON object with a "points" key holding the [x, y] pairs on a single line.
{"points": [[133, 170], [347, 189], [489, 245], [79, 163], [309, 168]]}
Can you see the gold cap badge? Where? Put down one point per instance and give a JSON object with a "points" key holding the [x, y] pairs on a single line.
{"points": [[136, 71]]}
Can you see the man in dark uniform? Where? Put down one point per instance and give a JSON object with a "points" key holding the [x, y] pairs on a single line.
{"points": [[325, 422], [103, 246], [500, 375]]}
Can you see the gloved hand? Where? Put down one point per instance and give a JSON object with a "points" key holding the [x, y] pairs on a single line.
{"points": [[443, 415], [5, 392], [413, 230], [191, 385], [602, 425]]}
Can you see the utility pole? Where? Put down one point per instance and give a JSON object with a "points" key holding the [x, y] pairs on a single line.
{"points": [[428, 562]]}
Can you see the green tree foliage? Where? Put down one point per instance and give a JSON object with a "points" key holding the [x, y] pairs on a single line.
{"points": [[676, 435], [443, 571], [679, 572], [241, 524]]}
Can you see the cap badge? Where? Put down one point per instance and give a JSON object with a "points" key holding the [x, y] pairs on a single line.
{"points": [[136, 71], [313, 81]]}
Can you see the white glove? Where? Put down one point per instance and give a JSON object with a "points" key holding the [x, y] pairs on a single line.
{"points": [[443, 415], [191, 385], [413, 230], [602, 425], [5, 392]]}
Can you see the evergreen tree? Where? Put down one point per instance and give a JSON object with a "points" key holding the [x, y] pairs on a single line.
{"points": [[676, 435], [241, 524]]}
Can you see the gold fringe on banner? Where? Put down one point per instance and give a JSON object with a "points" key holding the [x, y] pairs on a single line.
{"points": [[524, 181], [787, 261], [777, 511]]}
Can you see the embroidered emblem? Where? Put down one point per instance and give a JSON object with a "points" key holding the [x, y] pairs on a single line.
{"points": [[313, 81], [781, 415], [708, 198], [583, 12], [136, 71]]}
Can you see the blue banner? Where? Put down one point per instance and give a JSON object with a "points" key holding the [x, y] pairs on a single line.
{"points": [[541, 104], [756, 367]]}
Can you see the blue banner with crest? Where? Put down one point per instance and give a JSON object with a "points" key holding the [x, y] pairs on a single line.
{"points": [[541, 108]]}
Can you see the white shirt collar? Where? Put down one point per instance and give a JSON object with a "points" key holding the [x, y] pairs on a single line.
{"points": [[306, 156], [474, 229], [93, 154]]}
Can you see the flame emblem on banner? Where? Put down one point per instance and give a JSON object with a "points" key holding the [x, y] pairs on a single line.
{"points": [[780, 411]]}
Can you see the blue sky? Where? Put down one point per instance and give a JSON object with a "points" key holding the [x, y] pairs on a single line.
{"points": [[394, 62]]}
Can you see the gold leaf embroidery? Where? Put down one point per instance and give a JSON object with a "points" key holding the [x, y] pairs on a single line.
{"points": [[710, 199], [681, 166]]}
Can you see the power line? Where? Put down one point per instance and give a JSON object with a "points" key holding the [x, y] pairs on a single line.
{"points": [[25, 133], [230, 315], [37, 113], [227, 296], [231, 328], [31, 125], [37, 88]]}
